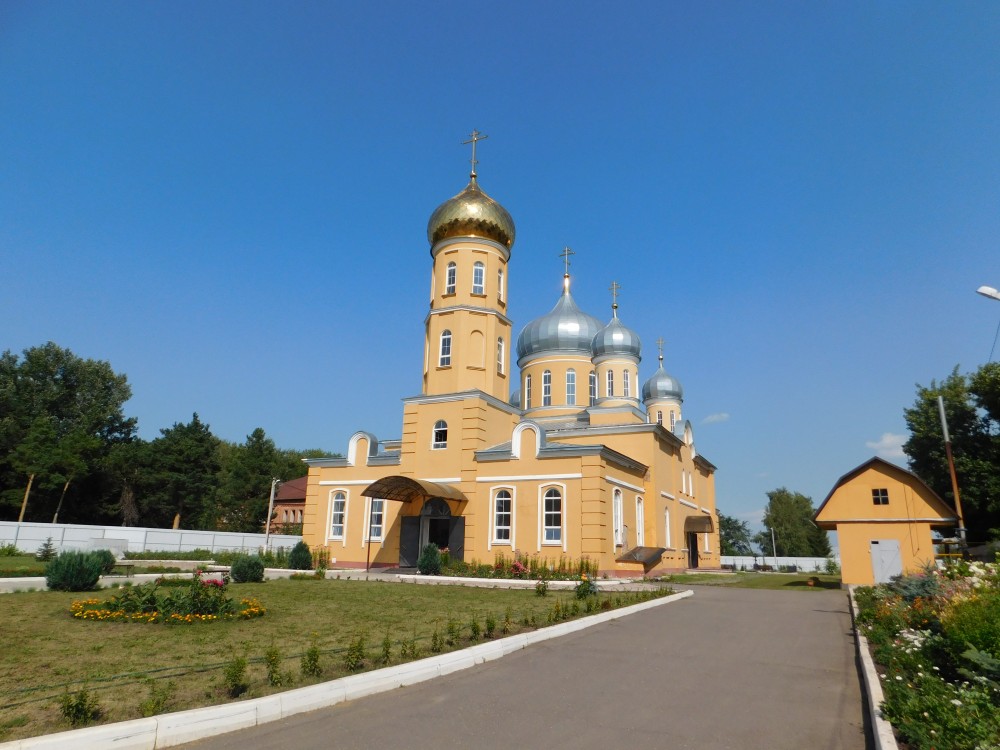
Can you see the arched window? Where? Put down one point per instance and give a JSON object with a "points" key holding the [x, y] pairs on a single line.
{"points": [[617, 520], [440, 437], [571, 387], [626, 385], [502, 515], [640, 523], [593, 387], [500, 285], [500, 357], [444, 360], [552, 517], [449, 283], [338, 513], [478, 278], [666, 528], [547, 388], [659, 418], [527, 391], [611, 384]]}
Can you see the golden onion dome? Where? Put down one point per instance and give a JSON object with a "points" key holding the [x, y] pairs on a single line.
{"points": [[471, 213]]}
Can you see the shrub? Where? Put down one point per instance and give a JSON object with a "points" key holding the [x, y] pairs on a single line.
{"points": [[246, 569], [108, 560], [46, 552], [429, 563], [300, 557], [541, 587], [159, 697], [272, 660], [586, 587], [235, 676], [973, 622], [80, 708], [354, 657], [74, 571], [310, 660], [9, 550]]}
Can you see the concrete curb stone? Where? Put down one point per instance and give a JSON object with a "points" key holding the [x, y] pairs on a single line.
{"points": [[885, 738]]}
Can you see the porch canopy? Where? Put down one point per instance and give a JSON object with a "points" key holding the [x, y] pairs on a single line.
{"points": [[699, 524], [408, 490]]}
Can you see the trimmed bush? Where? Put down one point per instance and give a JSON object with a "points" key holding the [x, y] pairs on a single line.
{"points": [[246, 569], [107, 559], [429, 563], [74, 571], [300, 557]]}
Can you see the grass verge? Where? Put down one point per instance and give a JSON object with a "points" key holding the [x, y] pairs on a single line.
{"points": [[130, 667], [776, 581]]}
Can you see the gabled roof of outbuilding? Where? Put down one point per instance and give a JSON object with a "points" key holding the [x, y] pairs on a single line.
{"points": [[294, 490], [939, 506]]}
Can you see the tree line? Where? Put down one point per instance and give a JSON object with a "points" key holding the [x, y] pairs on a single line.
{"points": [[69, 454], [972, 409]]}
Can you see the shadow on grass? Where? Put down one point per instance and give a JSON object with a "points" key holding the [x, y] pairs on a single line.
{"points": [[815, 583]]}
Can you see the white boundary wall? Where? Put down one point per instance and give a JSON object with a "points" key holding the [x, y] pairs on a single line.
{"points": [[804, 564], [28, 537]]}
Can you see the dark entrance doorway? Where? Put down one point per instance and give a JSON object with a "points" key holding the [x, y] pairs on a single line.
{"points": [[436, 525], [692, 540]]}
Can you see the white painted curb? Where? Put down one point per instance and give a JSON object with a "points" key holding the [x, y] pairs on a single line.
{"points": [[168, 730], [885, 739]]}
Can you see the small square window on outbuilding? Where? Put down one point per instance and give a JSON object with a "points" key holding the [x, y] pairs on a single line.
{"points": [[880, 497]]}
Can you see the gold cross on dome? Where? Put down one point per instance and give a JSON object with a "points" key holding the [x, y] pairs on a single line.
{"points": [[565, 256], [474, 136], [615, 286]]}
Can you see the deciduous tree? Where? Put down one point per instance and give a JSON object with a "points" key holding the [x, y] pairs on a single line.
{"points": [[789, 515]]}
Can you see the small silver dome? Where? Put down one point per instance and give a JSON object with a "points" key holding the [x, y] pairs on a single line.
{"points": [[565, 329], [662, 385], [616, 339]]}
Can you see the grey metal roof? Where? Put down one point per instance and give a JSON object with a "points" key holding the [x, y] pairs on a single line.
{"points": [[616, 339], [566, 328], [662, 385]]}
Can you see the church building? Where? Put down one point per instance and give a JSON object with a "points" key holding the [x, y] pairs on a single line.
{"points": [[568, 455]]}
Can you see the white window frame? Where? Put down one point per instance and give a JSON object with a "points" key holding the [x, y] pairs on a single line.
{"points": [[451, 277], [330, 536], [626, 385], [500, 284], [527, 391], [547, 388], [640, 523], [708, 547], [479, 277], [673, 420], [609, 384], [592, 385], [617, 518], [444, 351], [543, 529], [500, 355], [370, 515], [666, 528], [659, 418], [571, 387], [495, 514], [439, 426]]}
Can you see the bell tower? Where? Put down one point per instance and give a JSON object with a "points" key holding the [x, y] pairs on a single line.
{"points": [[467, 332]]}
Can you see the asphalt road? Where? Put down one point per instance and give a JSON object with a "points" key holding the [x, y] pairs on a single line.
{"points": [[726, 668]]}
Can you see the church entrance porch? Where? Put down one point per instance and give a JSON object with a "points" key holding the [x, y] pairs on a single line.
{"points": [[434, 525]]}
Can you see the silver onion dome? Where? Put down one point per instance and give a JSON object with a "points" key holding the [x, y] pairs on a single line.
{"points": [[565, 329], [662, 385], [616, 339], [471, 213]]}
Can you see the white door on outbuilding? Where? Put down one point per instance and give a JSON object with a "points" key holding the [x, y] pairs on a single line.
{"points": [[886, 561]]}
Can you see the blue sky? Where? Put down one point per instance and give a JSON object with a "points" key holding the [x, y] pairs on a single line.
{"points": [[228, 201]]}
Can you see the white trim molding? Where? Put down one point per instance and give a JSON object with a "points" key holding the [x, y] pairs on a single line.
{"points": [[682, 501], [623, 483], [667, 495], [529, 478], [349, 483]]}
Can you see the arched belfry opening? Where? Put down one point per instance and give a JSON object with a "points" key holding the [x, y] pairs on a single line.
{"points": [[435, 522]]}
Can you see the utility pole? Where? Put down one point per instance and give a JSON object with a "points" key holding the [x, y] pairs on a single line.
{"points": [[270, 510], [774, 548], [954, 477]]}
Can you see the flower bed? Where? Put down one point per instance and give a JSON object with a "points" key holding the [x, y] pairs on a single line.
{"points": [[521, 567], [183, 600], [936, 639]]}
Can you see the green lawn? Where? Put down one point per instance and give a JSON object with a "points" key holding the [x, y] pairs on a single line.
{"points": [[47, 653], [787, 581]]}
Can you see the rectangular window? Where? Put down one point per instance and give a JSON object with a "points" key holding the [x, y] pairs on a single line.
{"points": [[502, 516], [377, 512], [546, 388], [593, 388], [500, 285], [611, 384], [527, 391], [338, 512], [479, 279], [500, 357], [449, 285], [571, 388], [553, 517], [880, 497], [626, 385], [444, 360], [666, 528]]}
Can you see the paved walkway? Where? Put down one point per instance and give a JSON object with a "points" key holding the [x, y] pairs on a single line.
{"points": [[726, 668]]}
